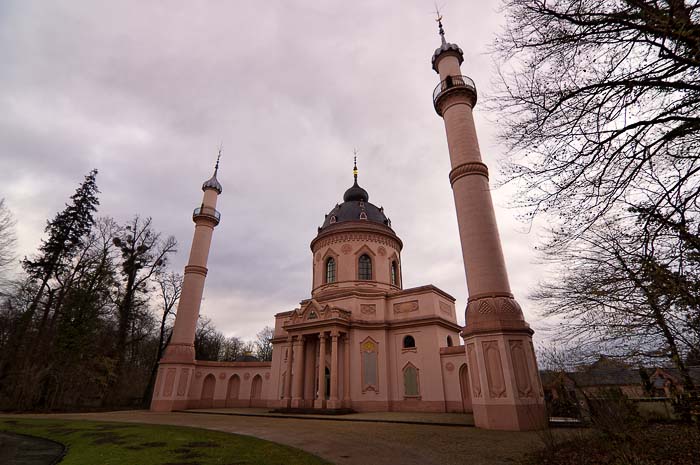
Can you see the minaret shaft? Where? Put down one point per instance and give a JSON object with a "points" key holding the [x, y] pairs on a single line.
{"points": [[504, 382], [481, 244], [177, 365]]}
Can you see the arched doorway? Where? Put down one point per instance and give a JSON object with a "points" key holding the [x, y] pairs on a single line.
{"points": [[207, 397], [234, 387], [256, 392], [464, 388]]}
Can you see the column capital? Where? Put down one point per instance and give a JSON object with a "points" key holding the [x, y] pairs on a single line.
{"points": [[322, 335], [335, 334]]}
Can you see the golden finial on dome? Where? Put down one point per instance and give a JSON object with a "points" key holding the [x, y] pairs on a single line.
{"points": [[354, 168]]}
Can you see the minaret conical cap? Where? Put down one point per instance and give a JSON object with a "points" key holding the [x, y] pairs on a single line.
{"points": [[213, 183], [445, 47]]}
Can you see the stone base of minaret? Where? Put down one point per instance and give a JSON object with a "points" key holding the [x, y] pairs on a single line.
{"points": [[505, 384], [175, 372]]}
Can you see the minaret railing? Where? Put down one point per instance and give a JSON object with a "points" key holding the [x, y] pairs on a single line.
{"points": [[207, 211], [452, 82]]}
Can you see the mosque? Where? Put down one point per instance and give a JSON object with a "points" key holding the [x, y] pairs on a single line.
{"points": [[360, 341]]}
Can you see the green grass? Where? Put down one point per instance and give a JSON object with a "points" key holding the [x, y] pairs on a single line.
{"points": [[103, 443]]}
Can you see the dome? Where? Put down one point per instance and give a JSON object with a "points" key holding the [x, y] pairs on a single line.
{"points": [[356, 208], [355, 193]]}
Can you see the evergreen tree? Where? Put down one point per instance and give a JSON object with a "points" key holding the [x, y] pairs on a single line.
{"points": [[65, 235]]}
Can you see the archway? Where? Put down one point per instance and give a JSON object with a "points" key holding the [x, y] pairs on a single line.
{"points": [[234, 387], [464, 388], [207, 397], [256, 399]]}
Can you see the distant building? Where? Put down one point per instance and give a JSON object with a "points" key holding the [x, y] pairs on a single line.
{"points": [[605, 375]]}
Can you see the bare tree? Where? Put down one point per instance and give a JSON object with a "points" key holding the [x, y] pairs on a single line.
{"points": [[208, 342], [263, 344], [144, 256], [626, 289], [170, 287], [598, 101], [232, 349], [7, 239]]}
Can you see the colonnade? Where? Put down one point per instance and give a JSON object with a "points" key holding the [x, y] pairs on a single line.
{"points": [[306, 361]]}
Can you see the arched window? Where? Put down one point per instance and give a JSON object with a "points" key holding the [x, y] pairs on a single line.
{"points": [[411, 386], [394, 273], [365, 267], [449, 341], [409, 342], [330, 270]]}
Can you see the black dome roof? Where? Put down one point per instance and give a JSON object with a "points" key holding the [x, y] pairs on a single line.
{"points": [[356, 193], [356, 208]]}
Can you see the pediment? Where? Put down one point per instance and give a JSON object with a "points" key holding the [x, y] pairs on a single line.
{"points": [[311, 311]]}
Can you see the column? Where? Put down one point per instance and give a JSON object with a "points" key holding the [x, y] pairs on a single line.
{"points": [[321, 400], [309, 372], [298, 392], [333, 402], [346, 371], [288, 377]]}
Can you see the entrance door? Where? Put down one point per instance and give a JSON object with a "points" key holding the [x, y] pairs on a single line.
{"points": [[328, 383], [464, 388]]}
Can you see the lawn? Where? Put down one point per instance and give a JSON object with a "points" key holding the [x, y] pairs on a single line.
{"points": [[106, 443]]}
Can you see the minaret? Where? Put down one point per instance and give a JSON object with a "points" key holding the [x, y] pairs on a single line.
{"points": [[505, 383], [177, 365]]}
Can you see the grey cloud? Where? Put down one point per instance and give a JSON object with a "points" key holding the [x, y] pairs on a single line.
{"points": [[145, 92]]}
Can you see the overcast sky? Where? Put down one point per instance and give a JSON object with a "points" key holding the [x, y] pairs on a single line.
{"points": [[146, 91]]}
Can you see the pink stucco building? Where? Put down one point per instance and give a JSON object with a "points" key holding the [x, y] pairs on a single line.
{"points": [[361, 341]]}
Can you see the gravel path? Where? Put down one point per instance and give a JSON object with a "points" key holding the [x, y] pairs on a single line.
{"points": [[350, 442]]}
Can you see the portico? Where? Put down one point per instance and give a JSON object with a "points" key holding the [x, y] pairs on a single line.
{"points": [[317, 355]]}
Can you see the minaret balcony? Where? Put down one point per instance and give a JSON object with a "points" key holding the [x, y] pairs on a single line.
{"points": [[207, 213], [452, 84]]}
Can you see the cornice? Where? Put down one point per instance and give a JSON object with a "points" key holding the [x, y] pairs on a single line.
{"points": [[206, 363], [356, 231], [325, 325], [422, 290]]}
